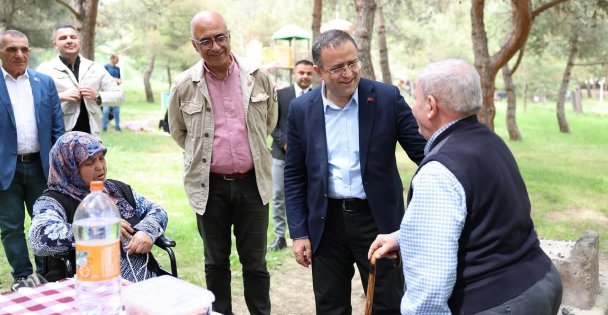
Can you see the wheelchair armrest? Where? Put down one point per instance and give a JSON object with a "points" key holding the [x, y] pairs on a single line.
{"points": [[164, 242]]}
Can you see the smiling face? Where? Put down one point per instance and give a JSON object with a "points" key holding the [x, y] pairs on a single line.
{"points": [[303, 75], [15, 54], [93, 169], [211, 26], [67, 42], [339, 87]]}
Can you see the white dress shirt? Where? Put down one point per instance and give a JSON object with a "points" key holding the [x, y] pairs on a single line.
{"points": [[22, 100], [299, 90]]}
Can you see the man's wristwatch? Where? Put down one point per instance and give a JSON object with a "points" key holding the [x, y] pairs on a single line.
{"points": [[98, 99]]}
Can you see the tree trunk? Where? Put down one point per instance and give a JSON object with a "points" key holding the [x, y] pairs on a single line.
{"points": [[514, 133], [577, 105], [563, 88], [589, 86], [317, 14], [363, 35], [382, 46], [525, 95], [169, 76], [147, 75], [521, 23], [85, 16]]}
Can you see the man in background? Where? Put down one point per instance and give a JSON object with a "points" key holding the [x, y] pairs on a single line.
{"points": [[467, 239], [221, 112], [30, 122], [114, 71], [302, 73], [82, 84]]}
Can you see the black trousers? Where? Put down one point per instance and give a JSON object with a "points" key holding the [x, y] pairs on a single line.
{"points": [[236, 203], [346, 239], [543, 298]]}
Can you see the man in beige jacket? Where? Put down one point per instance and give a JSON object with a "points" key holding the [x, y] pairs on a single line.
{"points": [[221, 112], [83, 85]]}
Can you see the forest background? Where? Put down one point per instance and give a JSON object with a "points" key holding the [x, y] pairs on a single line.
{"points": [[552, 85]]}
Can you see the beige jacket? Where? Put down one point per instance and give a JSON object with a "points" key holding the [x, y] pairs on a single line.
{"points": [[90, 74], [191, 125]]}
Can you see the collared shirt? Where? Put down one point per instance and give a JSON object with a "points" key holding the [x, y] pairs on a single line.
{"points": [[428, 237], [22, 100], [299, 90], [231, 151], [343, 159], [82, 123]]}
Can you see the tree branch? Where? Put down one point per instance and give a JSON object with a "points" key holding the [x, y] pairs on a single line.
{"points": [[69, 7], [598, 63], [520, 55], [546, 6], [521, 22]]}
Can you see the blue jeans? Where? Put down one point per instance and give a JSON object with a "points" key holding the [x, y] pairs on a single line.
{"points": [[278, 198], [28, 184], [106, 113], [236, 205]]}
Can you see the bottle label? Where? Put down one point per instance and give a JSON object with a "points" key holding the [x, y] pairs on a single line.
{"points": [[97, 260]]}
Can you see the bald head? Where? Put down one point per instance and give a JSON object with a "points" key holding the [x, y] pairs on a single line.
{"points": [[204, 20], [211, 39]]}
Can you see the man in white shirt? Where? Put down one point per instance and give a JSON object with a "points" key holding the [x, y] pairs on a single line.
{"points": [[83, 85], [30, 122]]}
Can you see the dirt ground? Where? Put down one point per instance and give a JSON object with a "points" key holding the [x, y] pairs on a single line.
{"points": [[291, 291]]}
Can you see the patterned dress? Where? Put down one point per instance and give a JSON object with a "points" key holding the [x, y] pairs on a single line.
{"points": [[51, 233]]}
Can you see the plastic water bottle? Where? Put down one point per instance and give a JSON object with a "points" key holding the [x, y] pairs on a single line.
{"points": [[96, 230]]}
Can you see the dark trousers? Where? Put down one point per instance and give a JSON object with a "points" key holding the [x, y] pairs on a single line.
{"points": [[236, 203], [28, 184], [345, 241], [543, 298]]}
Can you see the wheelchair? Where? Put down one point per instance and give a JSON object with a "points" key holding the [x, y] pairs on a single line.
{"points": [[60, 266]]}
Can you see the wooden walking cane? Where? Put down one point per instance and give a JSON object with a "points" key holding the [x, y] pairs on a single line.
{"points": [[371, 281]]}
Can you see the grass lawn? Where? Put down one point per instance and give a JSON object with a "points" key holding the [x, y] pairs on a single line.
{"points": [[566, 175]]}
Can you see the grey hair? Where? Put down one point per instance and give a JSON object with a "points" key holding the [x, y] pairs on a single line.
{"points": [[331, 38], [454, 83], [11, 33]]}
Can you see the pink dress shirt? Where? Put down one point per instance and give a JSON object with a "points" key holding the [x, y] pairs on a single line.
{"points": [[231, 151]]}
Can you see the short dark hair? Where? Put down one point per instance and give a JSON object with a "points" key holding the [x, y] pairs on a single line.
{"points": [[331, 38], [11, 33], [63, 25], [303, 62]]}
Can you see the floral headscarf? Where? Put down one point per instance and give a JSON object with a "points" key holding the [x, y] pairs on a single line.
{"points": [[70, 151]]}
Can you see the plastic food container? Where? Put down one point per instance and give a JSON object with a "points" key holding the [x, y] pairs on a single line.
{"points": [[166, 295]]}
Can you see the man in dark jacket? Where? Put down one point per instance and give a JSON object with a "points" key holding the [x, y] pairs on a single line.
{"points": [[302, 73]]}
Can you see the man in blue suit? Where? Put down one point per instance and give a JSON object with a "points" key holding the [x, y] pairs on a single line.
{"points": [[30, 122], [341, 180]]}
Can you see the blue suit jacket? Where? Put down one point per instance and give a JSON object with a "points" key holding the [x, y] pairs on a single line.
{"points": [[49, 120], [384, 120]]}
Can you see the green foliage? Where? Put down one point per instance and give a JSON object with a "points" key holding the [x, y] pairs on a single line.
{"points": [[35, 18]]}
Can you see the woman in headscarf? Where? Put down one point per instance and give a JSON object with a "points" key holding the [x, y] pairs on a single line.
{"points": [[76, 159]]}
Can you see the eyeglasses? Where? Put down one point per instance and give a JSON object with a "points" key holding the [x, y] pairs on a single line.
{"points": [[207, 43], [340, 70], [14, 50]]}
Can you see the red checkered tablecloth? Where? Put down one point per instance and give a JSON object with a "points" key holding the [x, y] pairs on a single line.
{"points": [[49, 299]]}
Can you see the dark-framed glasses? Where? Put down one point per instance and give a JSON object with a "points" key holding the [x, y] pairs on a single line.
{"points": [[340, 70], [207, 42]]}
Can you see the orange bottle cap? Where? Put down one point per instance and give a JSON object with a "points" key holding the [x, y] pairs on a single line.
{"points": [[97, 185]]}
